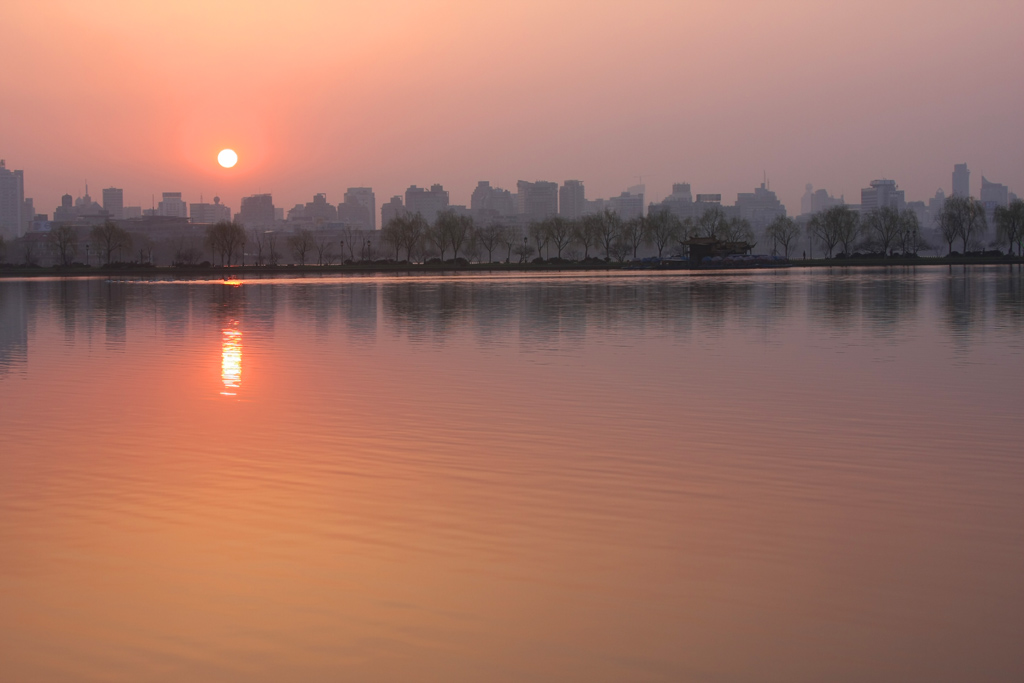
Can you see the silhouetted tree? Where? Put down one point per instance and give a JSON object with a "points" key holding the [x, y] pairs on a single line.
{"points": [[712, 223], [834, 225], [633, 233], [586, 232], [1010, 225], [663, 228], [539, 235], [64, 242], [910, 240], [457, 230], [489, 237], [273, 255], [783, 231], [560, 232], [391, 234], [322, 244], [413, 230], [301, 243], [882, 227], [259, 240], [509, 238], [438, 234], [225, 238], [606, 227], [962, 218], [108, 238]]}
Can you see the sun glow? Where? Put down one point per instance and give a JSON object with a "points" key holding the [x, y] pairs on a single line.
{"points": [[227, 158], [231, 360]]}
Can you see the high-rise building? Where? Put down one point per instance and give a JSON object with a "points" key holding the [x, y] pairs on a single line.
{"points": [[12, 202], [572, 201], [881, 193], [172, 206], [204, 213], [488, 204], [760, 207], [363, 199], [113, 202], [257, 211], [961, 181], [538, 200], [993, 195], [394, 208], [629, 204], [427, 203]]}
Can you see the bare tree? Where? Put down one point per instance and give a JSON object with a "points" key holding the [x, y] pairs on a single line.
{"points": [[818, 228], [634, 234], [225, 238], [783, 231], [456, 230], [539, 235], [523, 250], [586, 232], [560, 232], [391, 234], [489, 238], [273, 255], [64, 242], [438, 234], [301, 244], [965, 218], [259, 240], [712, 223], [882, 227], [143, 247], [322, 244], [413, 231], [110, 237], [1010, 225], [607, 226], [663, 228], [509, 238], [620, 250], [909, 239]]}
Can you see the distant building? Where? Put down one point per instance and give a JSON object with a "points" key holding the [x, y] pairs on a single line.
{"points": [[427, 203], [65, 213], [572, 201], [205, 213], [257, 211], [679, 203], [488, 204], [993, 195], [629, 204], [537, 201], [961, 181], [760, 207], [12, 202], [881, 193], [129, 212], [113, 202], [172, 206], [360, 206], [815, 201], [394, 208]]}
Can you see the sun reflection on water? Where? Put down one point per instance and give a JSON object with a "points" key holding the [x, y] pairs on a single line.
{"points": [[231, 359]]}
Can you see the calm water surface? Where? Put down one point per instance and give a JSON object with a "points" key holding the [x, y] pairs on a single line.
{"points": [[785, 476]]}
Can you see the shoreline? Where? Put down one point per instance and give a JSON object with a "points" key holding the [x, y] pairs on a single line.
{"points": [[377, 267]]}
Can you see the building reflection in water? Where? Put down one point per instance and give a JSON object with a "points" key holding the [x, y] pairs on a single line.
{"points": [[231, 359]]}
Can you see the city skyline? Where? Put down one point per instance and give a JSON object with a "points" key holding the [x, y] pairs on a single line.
{"points": [[730, 92]]}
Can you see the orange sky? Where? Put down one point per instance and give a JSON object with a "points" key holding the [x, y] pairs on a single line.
{"points": [[318, 96]]}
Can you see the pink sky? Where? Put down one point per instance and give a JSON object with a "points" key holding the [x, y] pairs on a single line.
{"points": [[320, 96]]}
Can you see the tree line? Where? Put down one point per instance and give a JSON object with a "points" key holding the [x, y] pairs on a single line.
{"points": [[889, 230]]}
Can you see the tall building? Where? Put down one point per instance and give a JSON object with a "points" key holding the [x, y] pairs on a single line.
{"points": [[488, 204], [427, 203], [205, 213], [12, 202], [961, 181], [391, 209], [361, 198], [629, 204], [572, 201], [882, 193], [537, 201], [679, 203], [993, 195], [760, 207], [257, 211], [172, 206], [113, 202]]}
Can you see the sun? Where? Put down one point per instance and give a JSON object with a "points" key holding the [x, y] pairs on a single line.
{"points": [[227, 158]]}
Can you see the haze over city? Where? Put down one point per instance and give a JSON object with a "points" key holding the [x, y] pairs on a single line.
{"points": [[320, 97]]}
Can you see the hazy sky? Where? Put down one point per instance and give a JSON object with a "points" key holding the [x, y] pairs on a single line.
{"points": [[319, 96]]}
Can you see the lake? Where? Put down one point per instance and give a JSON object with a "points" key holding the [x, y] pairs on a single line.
{"points": [[794, 475]]}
